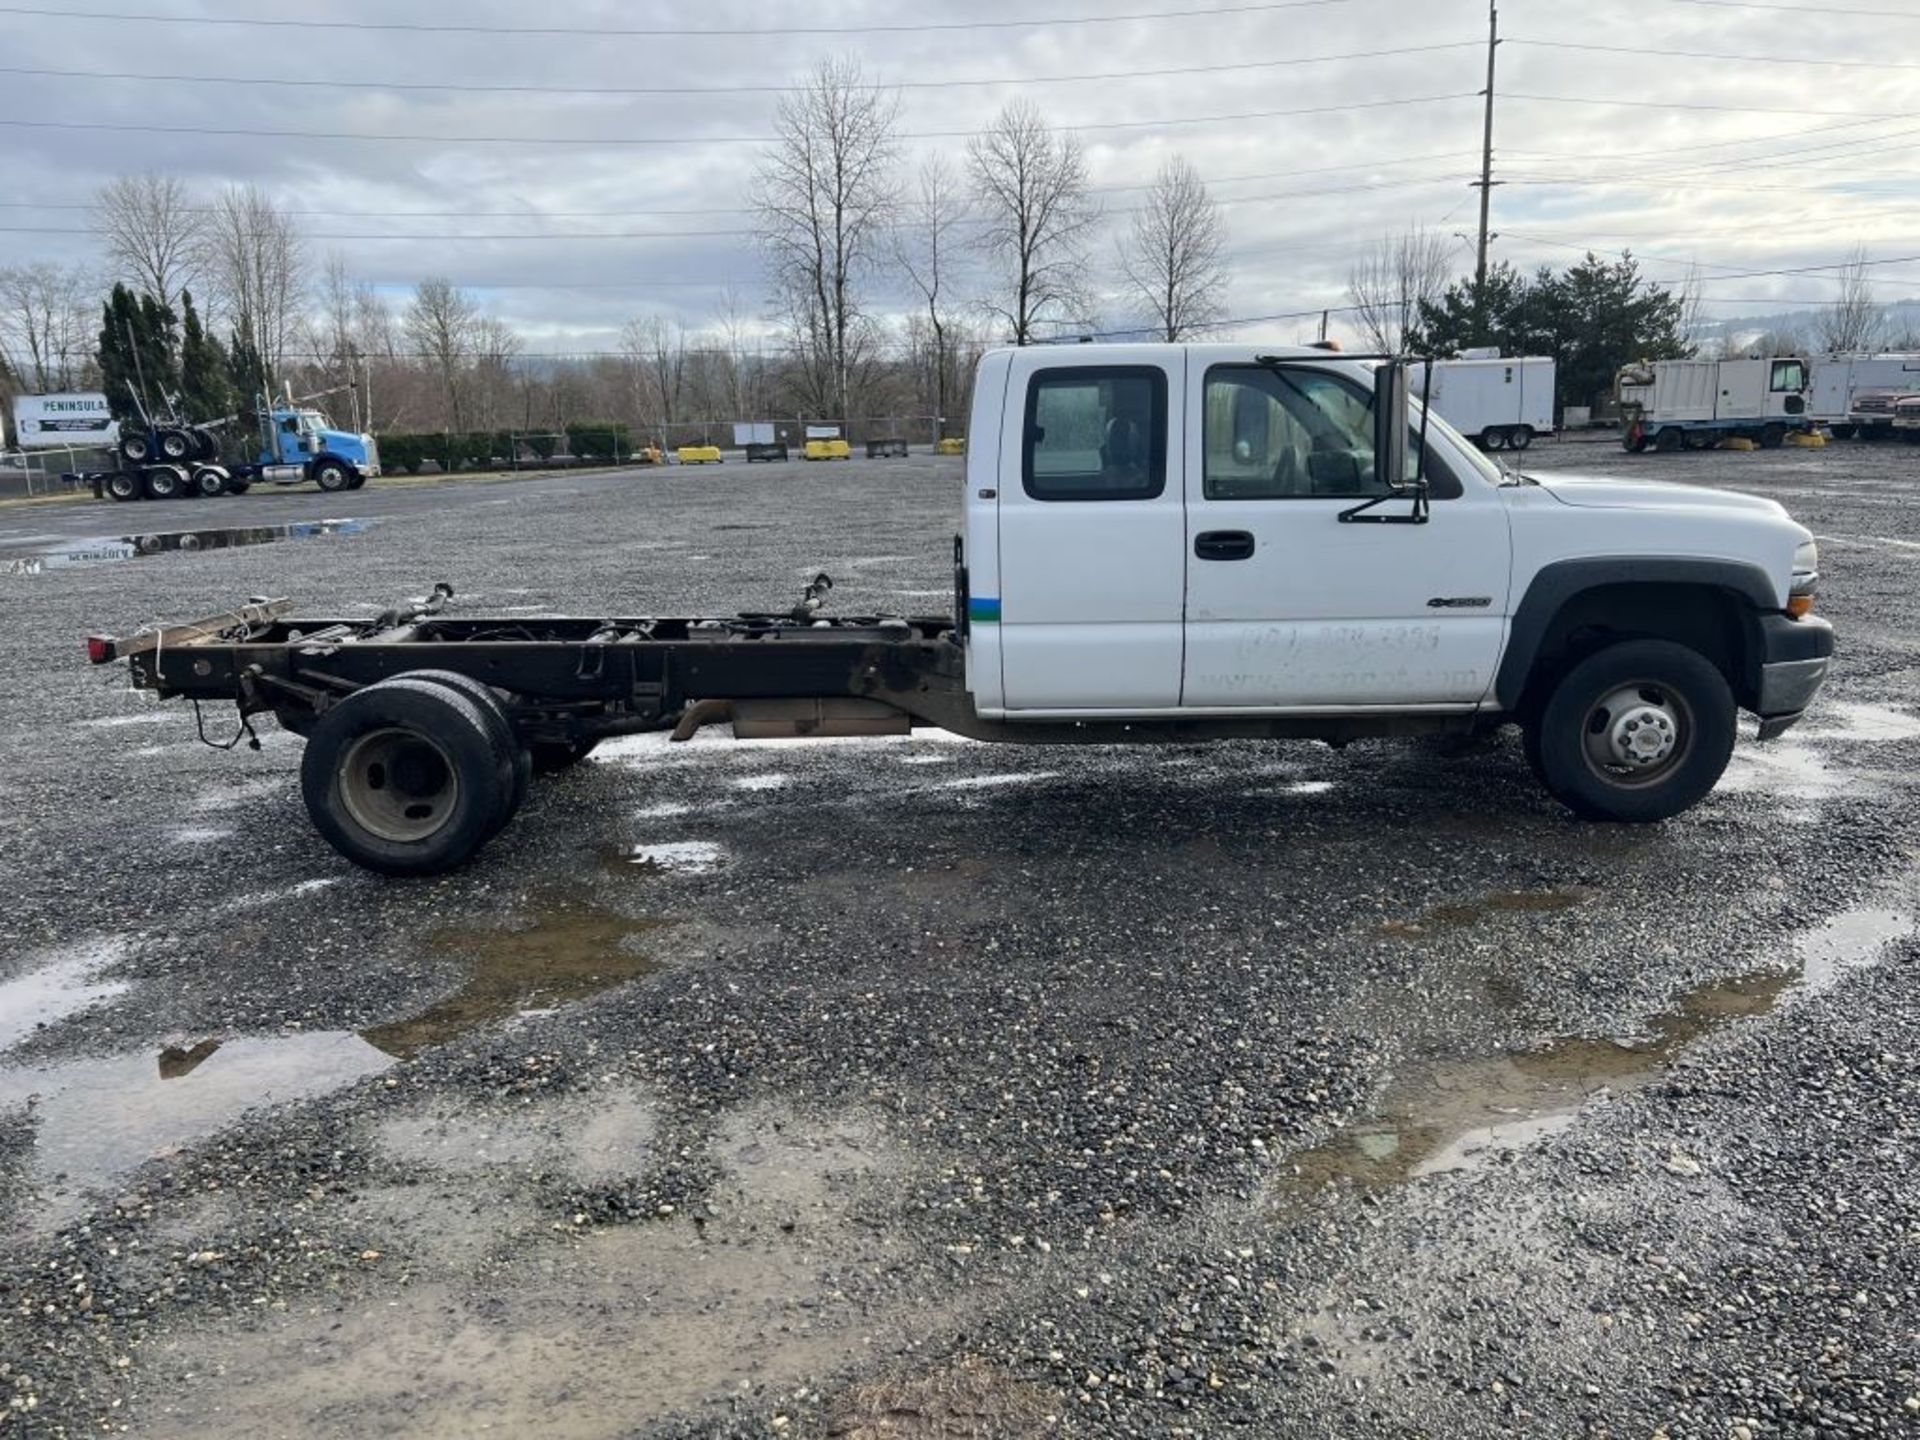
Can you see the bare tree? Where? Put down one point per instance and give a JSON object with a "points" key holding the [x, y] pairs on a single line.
{"points": [[1855, 323], [740, 375], [1173, 255], [1033, 184], [1388, 285], [441, 326], [823, 192], [494, 348], [656, 355], [153, 233], [257, 264], [927, 247], [46, 316]]}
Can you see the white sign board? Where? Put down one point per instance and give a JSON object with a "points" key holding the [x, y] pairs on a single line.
{"points": [[755, 433], [823, 432], [43, 422]]}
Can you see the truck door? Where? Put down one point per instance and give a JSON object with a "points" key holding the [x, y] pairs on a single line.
{"points": [[1092, 567], [1288, 607]]}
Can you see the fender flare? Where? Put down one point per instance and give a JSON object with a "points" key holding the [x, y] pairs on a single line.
{"points": [[1554, 585]]}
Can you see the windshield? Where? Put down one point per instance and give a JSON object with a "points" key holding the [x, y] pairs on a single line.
{"points": [[1488, 469], [313, 421]]}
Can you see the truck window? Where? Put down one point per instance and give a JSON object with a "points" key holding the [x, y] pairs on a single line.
{"points": [[1286, 434], [1789, 375], [1096, 432]]}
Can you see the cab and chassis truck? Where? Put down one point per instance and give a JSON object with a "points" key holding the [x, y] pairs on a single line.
{"points": [[1161, 544]]}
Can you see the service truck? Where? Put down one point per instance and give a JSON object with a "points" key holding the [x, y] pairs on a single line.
{"points": [[292, 443], [1496, 403], [1159, 543], [1855, 394], [1695, 404]]}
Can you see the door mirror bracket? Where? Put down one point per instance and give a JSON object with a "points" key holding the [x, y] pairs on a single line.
{"points": [[1391, 384]]}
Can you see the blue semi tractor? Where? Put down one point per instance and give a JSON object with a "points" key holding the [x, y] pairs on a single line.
{"points": [[294, 444]]}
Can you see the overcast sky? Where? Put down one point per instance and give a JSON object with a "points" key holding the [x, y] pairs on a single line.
{"points": [[1809, 161]]}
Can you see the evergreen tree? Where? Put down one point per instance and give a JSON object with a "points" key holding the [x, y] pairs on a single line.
{"points": [[137, 350], [206, 387], [1591, 318], [246, 370]]}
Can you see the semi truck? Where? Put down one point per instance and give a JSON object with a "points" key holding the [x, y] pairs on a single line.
{"points": [[1695, 404], [1497, 403], [1158, 544], [293, 443]]}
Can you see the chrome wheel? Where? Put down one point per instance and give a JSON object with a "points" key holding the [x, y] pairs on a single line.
{"points": [[398, 785], [1637, 733]]}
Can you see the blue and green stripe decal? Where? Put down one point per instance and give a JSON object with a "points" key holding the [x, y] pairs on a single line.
{"points": [[983, 611]]}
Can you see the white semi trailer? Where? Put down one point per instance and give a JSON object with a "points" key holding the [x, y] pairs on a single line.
{"points": [[1496, 403]]}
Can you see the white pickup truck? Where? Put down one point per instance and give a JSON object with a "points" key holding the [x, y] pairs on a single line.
{"points": [[1161, 543]]}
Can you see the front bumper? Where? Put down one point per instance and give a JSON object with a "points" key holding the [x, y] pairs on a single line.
{"points": [[1795, 656]]}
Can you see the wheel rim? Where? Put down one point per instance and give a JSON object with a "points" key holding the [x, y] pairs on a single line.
{"points": [[1637, 734], [398, 785]]}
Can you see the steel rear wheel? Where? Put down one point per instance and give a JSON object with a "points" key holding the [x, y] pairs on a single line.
{"points": [[518, 773], [405, 777], [1639, 731]]}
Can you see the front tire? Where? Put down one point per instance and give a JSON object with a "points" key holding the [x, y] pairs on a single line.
{"points": [[1637, 732], [331, 475], [404, 777]]}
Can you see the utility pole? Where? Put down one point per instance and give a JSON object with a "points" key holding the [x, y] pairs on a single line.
{"points": [[1485, 183]]}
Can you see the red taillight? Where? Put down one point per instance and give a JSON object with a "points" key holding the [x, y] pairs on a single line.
{"points": [[99, 648]]}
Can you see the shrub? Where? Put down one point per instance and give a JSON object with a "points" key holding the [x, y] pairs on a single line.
{"points": [[403, 452], [599, 442]]}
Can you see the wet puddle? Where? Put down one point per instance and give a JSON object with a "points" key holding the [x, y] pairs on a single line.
{"points": [[691, 857], [65, 985], [98, 1119], [1463, 1114], [568, 952], [112, 549], [1502, 902]]}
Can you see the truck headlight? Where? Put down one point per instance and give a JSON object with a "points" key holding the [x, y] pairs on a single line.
{"points": [[1806, 579]]}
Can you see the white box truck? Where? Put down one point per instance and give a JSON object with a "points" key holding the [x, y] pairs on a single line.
{"points": [[1856, 394], [1695, 404], [1495, 403]]}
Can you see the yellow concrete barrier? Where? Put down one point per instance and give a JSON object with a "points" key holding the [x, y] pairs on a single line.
{"points": [[1806, 439], [816, 450], [839, 450], [951, 446], [1737, 442], [699, 455]]}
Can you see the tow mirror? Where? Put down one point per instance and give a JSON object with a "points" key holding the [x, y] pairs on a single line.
{"points": [[1391, 421], [1390, 386]]}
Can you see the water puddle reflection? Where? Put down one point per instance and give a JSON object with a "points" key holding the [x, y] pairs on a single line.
{"points": [[112, 549]]}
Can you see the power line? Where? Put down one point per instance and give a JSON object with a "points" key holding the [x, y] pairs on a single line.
{"points": [[1640, 53], [1702, 105], [94, 205], [593, 141], [1803, 9], [147, 78], [658, 32]]}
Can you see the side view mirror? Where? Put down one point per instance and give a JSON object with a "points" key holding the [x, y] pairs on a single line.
{"points": [[1391, 420], [1390, 387]]}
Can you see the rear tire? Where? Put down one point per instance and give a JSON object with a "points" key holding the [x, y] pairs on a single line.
{"points": [[404, 777], [1670, 439], [1493, 439], [237, 486], [519, 770], [161, 483], [209, 481], [1520, 437], [136, 448], [176, 446], [124, 485], [1639, 731]]}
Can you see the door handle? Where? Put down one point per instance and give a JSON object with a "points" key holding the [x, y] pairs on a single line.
{"points": [[1223, 545]]}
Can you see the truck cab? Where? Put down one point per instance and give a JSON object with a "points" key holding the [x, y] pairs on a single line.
{"points": [[1190, 533], [301, 444]]}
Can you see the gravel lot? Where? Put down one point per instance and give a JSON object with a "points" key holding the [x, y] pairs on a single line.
{"points": [[918, 1087]]}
